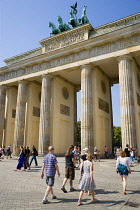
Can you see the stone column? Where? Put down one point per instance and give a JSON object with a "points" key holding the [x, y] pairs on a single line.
{"points": [[20, 116], [2, 111], [44, 128], [86, 108], [128, 127], [75, 116]]}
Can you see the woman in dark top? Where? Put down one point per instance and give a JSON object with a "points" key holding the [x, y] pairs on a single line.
{"points": [[127, 150], [69, 169], [27, 155], [21, 160], [34, 154]]}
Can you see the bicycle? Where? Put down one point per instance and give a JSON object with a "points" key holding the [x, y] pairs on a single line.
{"points": [[96, 157]]}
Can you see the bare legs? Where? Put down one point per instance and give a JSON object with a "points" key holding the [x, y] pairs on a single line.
{"points": [[48, 190], [124, 179], [65, 181], [81, 194]]}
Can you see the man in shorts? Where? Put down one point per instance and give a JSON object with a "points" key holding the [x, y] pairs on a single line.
{"points": [[50, 165]]}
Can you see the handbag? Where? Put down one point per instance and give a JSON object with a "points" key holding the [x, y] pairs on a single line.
{"points": [[122, 168]]}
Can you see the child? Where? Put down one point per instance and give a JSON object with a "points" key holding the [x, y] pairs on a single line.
{"points": [[87, 181]]}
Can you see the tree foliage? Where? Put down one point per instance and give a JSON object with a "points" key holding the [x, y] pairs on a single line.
{"points": [[79, 133], [117, 136]]}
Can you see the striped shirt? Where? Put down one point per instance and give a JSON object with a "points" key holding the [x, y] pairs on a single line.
{"points": [[50, 161]]}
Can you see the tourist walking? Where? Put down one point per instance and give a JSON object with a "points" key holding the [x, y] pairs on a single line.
{"points": [[69, 169], [106, 150], [83, 157], [87, 181], [3, 152], [8, 151], [127, 151], [27, 155], [21, 160], [123, 168], [0, 152], [50, 164], [117, 154], [96, 154], [34, 154]]}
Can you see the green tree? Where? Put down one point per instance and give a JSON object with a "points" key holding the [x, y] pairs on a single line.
{"points": [[117, 136], [79, 133]]}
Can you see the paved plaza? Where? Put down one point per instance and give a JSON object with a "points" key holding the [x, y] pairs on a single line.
{"points": [[25, 190]]}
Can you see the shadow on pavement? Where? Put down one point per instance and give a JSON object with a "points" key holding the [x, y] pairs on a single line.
{"points": [[134, 191], [84, 201], [111, 202], [102, 191], [66, 200], [134, 171]]}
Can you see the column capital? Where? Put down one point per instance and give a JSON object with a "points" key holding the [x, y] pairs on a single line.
{"points": [[87, 66], [4, 86], [77, 88], [124, 57], [47, 76], [23, 81]]}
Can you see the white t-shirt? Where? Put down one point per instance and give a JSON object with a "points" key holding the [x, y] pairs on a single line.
{"points": [[123, 161]]}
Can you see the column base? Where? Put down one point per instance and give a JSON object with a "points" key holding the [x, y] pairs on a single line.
{"points": [[15, 154], [41, 154]]}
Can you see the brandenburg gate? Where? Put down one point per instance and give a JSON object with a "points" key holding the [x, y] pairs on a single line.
{"points": [[38, 88]]}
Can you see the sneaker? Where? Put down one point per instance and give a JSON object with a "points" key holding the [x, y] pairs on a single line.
{"points": [[63, 189], [72, 189], [54, 197], [45, 202]]}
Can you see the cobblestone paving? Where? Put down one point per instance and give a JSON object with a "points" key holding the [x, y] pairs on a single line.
{"points": [[25, 190]]}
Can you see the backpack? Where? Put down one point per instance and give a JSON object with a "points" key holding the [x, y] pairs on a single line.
{"points": [[122, 168], [36, 152]]}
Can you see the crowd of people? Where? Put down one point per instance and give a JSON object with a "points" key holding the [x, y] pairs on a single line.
{"points": [[124, 160], [86, 180], [23, 156], [50, 166], [5, 152]]}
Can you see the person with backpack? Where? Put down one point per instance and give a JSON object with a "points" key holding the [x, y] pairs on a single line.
{"points": [[123, 168], [34, 154]]}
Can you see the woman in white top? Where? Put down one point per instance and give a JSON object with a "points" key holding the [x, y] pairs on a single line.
{"points": [[123, 167]]}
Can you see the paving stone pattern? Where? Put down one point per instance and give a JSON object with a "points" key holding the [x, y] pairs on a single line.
{"points": [[25, 189]]}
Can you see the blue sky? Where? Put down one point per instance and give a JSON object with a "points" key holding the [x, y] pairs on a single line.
{"points": [[23, 23]]}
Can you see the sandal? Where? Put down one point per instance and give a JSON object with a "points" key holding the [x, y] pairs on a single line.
{"points": [[79, 203], [95, 200]]}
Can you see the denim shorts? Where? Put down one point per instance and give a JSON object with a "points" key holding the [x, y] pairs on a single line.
{"points": [[50, 180], [123, 173]]}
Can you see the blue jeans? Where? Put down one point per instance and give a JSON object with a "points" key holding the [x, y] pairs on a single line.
{"points": [[33, 158]]}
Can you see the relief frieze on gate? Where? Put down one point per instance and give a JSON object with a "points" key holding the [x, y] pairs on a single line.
{"points": [[95, 51], [64, 42]]}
